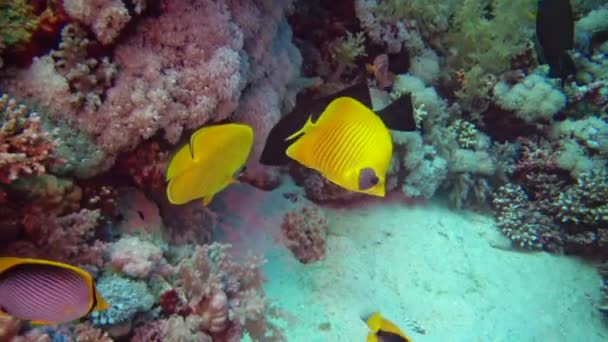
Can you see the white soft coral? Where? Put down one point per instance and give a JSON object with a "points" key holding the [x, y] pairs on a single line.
{"points": [[533, 99]]}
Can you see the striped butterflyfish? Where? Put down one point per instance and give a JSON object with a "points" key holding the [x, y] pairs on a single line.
{"points": [[46, 292]]}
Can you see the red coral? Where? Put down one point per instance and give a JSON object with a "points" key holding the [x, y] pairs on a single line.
{"points": [[68, 238], [304, 232], [171, 303], [146, 166], [25, 148]]}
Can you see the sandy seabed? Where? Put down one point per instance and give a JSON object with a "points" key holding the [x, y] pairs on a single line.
{"points": [[438, 274]]}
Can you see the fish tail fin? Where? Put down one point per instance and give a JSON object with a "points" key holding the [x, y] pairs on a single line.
{"points": [[309, 124], [399, 115]]}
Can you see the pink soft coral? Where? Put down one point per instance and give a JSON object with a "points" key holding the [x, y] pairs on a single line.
{"points": [[186, 67], [304, 232]]}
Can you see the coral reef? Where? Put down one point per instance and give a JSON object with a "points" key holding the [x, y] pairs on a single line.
{"points": [[304, 231], [97, 94], [25, 147]]}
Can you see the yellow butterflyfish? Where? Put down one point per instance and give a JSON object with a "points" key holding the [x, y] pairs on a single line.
{"points": [[349, 145], [207, 164]]}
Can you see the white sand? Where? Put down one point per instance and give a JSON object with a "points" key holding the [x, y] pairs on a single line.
{"points": [[448, 272]]}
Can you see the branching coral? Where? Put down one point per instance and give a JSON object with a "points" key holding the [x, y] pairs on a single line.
{"points": [[227, 296], [106, 18], [345, 51], [521, 222], [25, 148], [585, 203], [88, 77]]}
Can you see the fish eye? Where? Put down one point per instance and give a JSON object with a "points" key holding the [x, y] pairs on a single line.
{"points": [[374, 180]]}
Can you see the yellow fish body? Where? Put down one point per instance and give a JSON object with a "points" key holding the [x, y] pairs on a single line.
{"points": [[349, 145], [46, 292], [207, 164], [383, 330]]}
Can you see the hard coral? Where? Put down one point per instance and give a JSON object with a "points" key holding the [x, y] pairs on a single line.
{"points": [[106, 18], [88, 77], [226, 296], [585, 203], [68, 238], [304, 233], [25, 148], [520, 221], [126, 298], [17, 22]]}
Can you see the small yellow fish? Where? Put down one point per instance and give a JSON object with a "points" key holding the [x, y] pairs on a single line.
{"points": [[383, 330], [46, 292], [349, 145], [207, 164]]}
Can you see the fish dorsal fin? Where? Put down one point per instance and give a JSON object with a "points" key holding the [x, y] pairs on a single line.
{"points": [[345, 108], [374, 322], [9, 262], [306, 128], [208, 139], [179, 163]]}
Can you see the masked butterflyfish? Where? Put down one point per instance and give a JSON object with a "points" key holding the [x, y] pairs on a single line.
{"points": [[383, 330], [46, 292], [349, 145], [399, 116], [207, 164]]}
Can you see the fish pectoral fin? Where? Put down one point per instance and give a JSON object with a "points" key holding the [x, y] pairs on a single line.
{"points": [[8, 262], [41, 323], [371, 337], [207, 200]]}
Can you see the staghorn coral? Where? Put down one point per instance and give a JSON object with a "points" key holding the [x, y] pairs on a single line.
{"points": [[345, 51], [87, 77], [25, 148], [304, 232]]}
